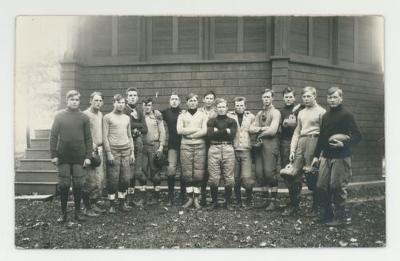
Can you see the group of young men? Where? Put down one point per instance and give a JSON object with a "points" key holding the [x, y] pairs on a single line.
{"points": [[210, 145]]}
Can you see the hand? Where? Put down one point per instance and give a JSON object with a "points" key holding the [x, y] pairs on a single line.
{"points": [[160, 148], [291, 156], [110, 158], [285, 123], [86, 163], [228, 130], [54, 161], [315, 162], [336, 144], [215, 129], [132, 159]]}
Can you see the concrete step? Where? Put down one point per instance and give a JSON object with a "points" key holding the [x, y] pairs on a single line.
{"points": [[42, 134], [29, 188], [36, 164], [36, 176], [37, 154], [40, 143]]}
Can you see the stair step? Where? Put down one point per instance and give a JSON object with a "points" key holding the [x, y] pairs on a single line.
{"points": [[37, 154], [36, 176], [41, 188], [36, 164], [40, 143], [42, 134]]}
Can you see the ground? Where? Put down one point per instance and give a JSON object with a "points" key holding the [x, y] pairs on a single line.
{"points": [[171, 227]]}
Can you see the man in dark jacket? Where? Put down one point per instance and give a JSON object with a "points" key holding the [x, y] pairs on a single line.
{"points": [[70, 149], [335, 161], [138, 129], [288, 125], [170, 116]]}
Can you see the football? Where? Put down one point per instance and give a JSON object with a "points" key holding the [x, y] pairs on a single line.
{"points": [[339, 137]]}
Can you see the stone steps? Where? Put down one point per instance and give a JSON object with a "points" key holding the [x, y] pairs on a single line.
{"points": [[37, 154], [36, 164], [40, 143], [40, 188], [36, 176]]}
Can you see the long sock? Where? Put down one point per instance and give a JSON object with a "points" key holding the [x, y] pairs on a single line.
{"points": [[228, 194], [64, 200], [214, 194], [77, 199], [86, 200], [171, 184], [238, 192], [249, 194]]}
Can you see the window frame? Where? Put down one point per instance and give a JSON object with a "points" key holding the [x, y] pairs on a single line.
{"points": [[239, 54]]}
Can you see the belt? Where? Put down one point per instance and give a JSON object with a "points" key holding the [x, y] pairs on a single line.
{"points": [[221, 143], [310, 136]]}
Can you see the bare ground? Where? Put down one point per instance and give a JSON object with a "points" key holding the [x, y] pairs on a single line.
{"points": [[171, 227]]}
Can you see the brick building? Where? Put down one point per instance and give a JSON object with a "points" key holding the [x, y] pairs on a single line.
{"points": [[237, 56]]}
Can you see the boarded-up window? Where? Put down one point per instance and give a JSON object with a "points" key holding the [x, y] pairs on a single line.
{"points": [[254, 34], [128, 28], [226, 33], [299, 35], [346, 39], [162, 36], [188, 35], [365, 40], [320, 39], [101, 36]]}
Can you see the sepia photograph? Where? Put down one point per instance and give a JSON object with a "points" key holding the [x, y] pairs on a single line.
{"points": [[199, 132]]}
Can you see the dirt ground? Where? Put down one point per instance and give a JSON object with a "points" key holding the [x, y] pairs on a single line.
{"points": [[172, 227]]}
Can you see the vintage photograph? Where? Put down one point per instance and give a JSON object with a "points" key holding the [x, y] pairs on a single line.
{"points": [[199, 132]]}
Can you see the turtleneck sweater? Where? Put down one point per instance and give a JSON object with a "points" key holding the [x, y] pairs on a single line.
{"points": [[337, 120], [221, 123], [170, 116], [70, 137]]}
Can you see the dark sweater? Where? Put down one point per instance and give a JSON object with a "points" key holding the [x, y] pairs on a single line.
{"points": [[170, 116], [70, 138], [221, 122], [287, 132], [139, 122], [337, 120]]}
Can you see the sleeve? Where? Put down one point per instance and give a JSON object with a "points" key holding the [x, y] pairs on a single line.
{"points": [[233, 128], [251, 128], [143, 126], [355, 134], [296, 135], [54, 134], [130, 135], [255, 127], [211, 133], [179, 124], [274, 127], [321, 138], [106, 143], [203, 131], [162, 132], [88, 137]]}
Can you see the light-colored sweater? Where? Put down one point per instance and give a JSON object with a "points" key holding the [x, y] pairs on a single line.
{"points": [[117, 132], [155, 129], [96, 126], [308, 123], [193, 128]]}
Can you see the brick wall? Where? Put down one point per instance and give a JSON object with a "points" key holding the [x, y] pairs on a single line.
{"points": [[363, 92], [363, 96], [227, 80]]}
